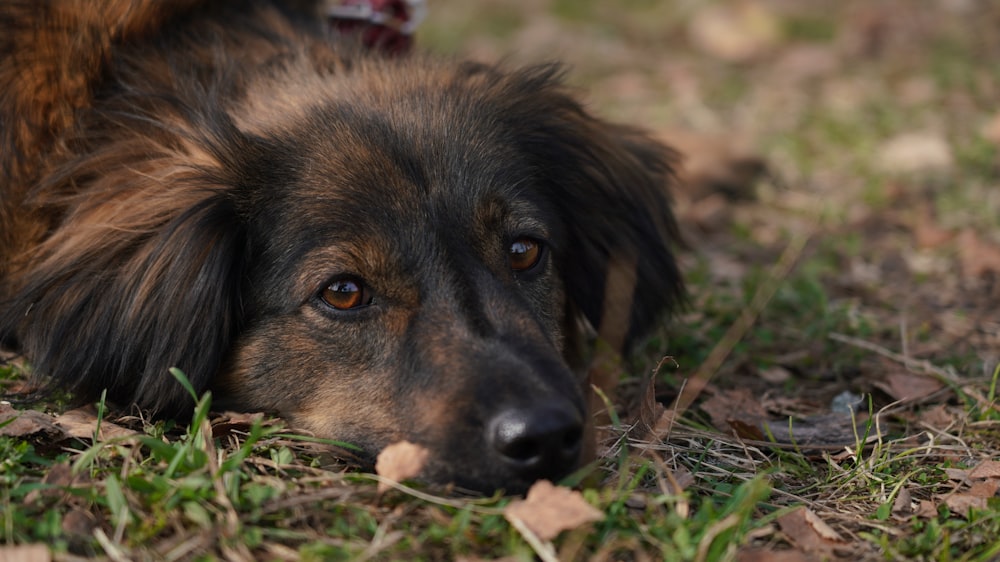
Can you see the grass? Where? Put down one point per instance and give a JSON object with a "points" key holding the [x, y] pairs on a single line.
{"points": [[862, 301]]}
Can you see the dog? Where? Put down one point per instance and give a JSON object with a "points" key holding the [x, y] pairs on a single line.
{"points": [[375, 248]]}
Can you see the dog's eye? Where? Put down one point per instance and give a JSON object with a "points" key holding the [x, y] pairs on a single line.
{"points": [[525, 253], [346, 293]]}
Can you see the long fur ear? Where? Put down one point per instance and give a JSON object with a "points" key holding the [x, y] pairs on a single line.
{"points": [[128, 288], [610, 185], [141, 262], [144, 270]]}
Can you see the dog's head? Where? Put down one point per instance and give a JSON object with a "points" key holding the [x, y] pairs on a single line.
{"points": [[404, 252]]}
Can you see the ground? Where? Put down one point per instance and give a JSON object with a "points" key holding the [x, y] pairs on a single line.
{"points": [[829, 392]]}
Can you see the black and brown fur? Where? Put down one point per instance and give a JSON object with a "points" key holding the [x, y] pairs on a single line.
{"points": [[183, 181]]}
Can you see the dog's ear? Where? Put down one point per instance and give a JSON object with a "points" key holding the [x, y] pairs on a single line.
{"points": [[141, 274], [610, 186]]}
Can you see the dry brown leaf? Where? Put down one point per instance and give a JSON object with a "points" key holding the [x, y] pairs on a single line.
{"points": [[821, 528], [927, 233], [548, 510], [26, 423], [984, 488], [978, 257], [400, 461], [747, 431], [678, 480], [25, 553], [927, 509], [59, 475], [903, 504], [735, 32], [986, 469], [737, 404], [937, 417], [991, 131], [906, 387], [957, 474], [228, 423], [79, 522], [808, 531], [917, 152], [960, 504], [649, 413], [775, 374], [769, 555], [82, 423]]}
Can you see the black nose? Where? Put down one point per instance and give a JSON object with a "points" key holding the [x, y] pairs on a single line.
{"points": [[537, 443]]}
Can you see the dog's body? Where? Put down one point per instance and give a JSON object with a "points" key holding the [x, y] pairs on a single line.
{"points": [[378, 250]]}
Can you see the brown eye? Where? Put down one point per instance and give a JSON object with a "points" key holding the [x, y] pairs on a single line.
{"points": [[525, 254], [346, 293]]}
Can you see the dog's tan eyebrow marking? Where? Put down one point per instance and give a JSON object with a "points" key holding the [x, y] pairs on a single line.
{"points": [[368, 255]]}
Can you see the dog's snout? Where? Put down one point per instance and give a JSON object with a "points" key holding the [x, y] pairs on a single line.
{"points": [[538, 442]]}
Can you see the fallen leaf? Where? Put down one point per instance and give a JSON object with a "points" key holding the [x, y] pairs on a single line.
{"points": [[400, 461], [808, 531], [960, 475], [737, 404], [960, 504], [908, 387], [902, 506], [937, 417], [977, 257], [769, 555], [25, 553], [678, 480], [986, 469], [803, 62], [746, 430], [83, 422], [736, 32], [930, 236], [228, 423], [548, 510], [649, 413], [984, 488], [724, 268], [775, 374], [991, 131], [917, 152], [24, 423], [927, 233], [821, 528], [59, 475], [927, 509], [79, 522]]}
